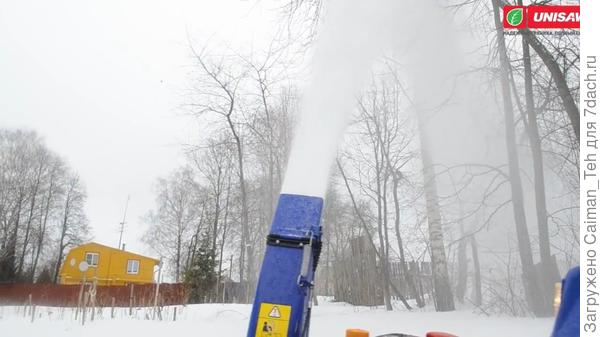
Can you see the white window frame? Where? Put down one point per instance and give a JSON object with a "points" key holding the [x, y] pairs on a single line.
{"points": [[133, 267], [93, 259]]}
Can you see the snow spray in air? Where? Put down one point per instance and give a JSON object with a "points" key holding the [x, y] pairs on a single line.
{"points": [[348, 41], [351, 36]]}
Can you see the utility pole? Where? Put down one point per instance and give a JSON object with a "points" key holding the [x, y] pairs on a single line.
{"points": [[122, 224]]}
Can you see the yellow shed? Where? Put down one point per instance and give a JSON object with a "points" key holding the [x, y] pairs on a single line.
{"points": [[110, 266]]}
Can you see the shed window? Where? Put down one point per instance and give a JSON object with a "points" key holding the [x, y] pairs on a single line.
{"points": [[91, 259], [133, 266]]}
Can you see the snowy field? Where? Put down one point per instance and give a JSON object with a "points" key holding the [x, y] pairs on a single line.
{"points": [[231, 320]]}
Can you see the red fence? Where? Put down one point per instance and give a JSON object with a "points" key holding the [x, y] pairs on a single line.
{"points": [[67, 295]]}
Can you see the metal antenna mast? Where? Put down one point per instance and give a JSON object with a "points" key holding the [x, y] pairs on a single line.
{"points": [[122, 224]]}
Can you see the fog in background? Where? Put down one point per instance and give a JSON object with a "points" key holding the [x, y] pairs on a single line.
{"points": [[104, 84]]}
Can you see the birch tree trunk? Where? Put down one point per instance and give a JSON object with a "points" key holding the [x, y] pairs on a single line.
{"points": [[476, 271], [443, 298]]}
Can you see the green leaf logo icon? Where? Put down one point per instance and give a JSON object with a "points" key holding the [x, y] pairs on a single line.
{"points": [[515, 17]]}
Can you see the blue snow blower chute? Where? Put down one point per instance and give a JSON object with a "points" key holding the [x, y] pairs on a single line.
{"points": [[282, 303]]}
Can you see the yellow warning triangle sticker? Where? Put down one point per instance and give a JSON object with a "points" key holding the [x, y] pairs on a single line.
{"points": [[275, 313]]}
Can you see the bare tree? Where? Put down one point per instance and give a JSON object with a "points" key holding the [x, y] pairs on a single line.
{"points": [[531, 282], [548, 277], [40, 160], [32, 208], [215, 166], [559, 79], [47, 209], [217, 92], [74, 224], [175, 217]]}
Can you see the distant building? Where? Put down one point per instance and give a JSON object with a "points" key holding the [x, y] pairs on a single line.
{"points": [[110, 266]]}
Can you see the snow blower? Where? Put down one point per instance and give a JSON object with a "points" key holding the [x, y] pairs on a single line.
{"points": [[282, 304]]}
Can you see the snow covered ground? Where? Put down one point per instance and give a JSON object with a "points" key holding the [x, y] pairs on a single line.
{"points": [[231, 320]]}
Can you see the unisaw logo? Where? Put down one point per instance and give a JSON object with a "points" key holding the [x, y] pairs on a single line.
{"points": [[553, 17], [541, 17]]}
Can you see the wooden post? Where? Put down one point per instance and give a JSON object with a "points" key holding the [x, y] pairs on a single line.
{"points": [[80, 298], [156, 290], [131, 301], [160, 308], [93, 298], [112, 309], [83, 308], [27, 306], [32, 313], [174, 313]]}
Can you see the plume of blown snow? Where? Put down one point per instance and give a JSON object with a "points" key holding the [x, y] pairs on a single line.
{"points": [[353, 34]]}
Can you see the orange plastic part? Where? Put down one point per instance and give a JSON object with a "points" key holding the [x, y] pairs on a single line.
{"points": [[440, 334], [357, 333]]}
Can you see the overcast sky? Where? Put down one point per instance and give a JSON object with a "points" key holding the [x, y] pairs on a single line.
{"points": [[103, 83]]}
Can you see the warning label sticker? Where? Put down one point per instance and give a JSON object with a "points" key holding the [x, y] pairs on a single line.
{"points": [[273, 320], [275, 312]]}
